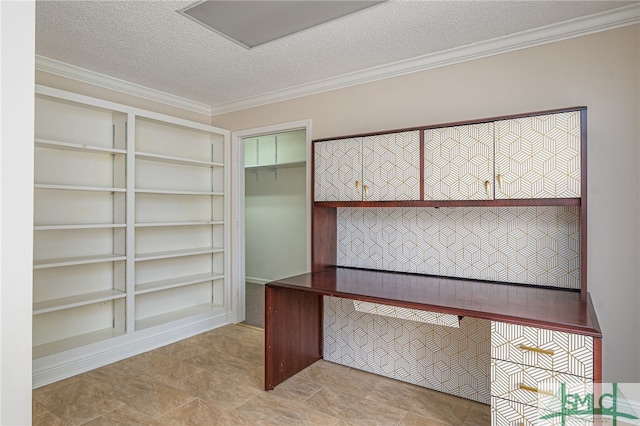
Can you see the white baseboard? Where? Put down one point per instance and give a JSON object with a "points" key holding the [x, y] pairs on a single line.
{"points": [[70, 363]]}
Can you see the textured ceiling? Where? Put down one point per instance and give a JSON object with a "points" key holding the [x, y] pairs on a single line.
{"points": [[148, 43]]}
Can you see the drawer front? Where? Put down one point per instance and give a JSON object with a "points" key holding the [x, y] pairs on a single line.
{"points": [[552, 350], [510, 413], [534, 386], [417, 315]]}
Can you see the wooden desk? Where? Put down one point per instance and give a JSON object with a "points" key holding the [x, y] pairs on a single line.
{"points": [[294, 310]]}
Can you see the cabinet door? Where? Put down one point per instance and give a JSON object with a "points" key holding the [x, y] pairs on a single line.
{"points": [[458, 162], [338, 170], [538, 157], [391, 167]]}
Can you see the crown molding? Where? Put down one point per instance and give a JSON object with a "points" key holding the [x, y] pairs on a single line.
{"points": [[107, 82], [615, 18], [612, 19]]}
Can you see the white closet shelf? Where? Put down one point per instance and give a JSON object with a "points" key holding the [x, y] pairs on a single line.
{"points": [[176, 192], [79, 226], [206, 309], [178, 253], [276, 166], [62, 345], [175, 282], [75, 301], [78, 188], [176, 160], [68, 146], [187, 223], [78, 260]]}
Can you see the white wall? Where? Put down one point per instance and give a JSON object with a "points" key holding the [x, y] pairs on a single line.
{"points": [[600, 71], [17, 23], [275, 223]]}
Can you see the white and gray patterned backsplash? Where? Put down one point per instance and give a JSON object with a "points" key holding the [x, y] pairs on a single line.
{"points": [[454, 360], [525, 245]]}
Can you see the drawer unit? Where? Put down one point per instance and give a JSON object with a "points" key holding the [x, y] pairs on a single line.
{"points": [[551, 350], [510, 413], [534, 386]]}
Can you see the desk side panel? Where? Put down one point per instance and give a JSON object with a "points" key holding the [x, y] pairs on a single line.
{"points": [[324, 245], [293, 333]]}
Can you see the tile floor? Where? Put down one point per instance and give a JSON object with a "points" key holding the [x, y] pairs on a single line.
{"points": [[216, 378]]}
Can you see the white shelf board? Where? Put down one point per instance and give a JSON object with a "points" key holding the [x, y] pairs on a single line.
{"points": [[62, 345], [78, 188], [68, 146], [178, 253], [80, 226], [175, 192], [75, 301], [177, 160], [275, 166], [176, 282], [187, 223], [208, 308], [78, 260]]}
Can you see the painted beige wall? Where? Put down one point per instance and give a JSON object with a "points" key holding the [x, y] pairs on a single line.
{"points": [[600, 71]]}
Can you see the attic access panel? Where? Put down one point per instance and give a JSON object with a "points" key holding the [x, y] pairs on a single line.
{"points": [[252, 23]]}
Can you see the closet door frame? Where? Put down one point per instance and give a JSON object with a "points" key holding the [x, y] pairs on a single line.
{"points": [[238, 206]]}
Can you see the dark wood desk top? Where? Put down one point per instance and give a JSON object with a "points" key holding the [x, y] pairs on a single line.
{"points": [[532, 306]]}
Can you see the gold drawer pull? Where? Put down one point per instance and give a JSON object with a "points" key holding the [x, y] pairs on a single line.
{"points": [[542, 351], [499, 179], [487, 187], [366, 191], [358, 185], [531, 389]]}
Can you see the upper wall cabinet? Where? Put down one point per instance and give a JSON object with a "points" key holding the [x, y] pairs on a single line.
{"points": [[522, 158], [371, 168], [458, 162], [538, 156]]}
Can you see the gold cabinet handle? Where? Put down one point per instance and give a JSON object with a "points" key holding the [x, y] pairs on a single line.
{"points": [[366, 191], [539, 350], [358, 185], [487, 187], [499, 180], [532, 389]]}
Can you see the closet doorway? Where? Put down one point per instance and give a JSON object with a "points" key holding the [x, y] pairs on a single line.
{"points": [[272, 210]]}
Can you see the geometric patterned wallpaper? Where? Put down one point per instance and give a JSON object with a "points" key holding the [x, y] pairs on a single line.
{"points": [[526, 245], [447, 359]]}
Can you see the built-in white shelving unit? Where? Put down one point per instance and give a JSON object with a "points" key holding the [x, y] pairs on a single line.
{"points": [[131, 216], [179, 188]]}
